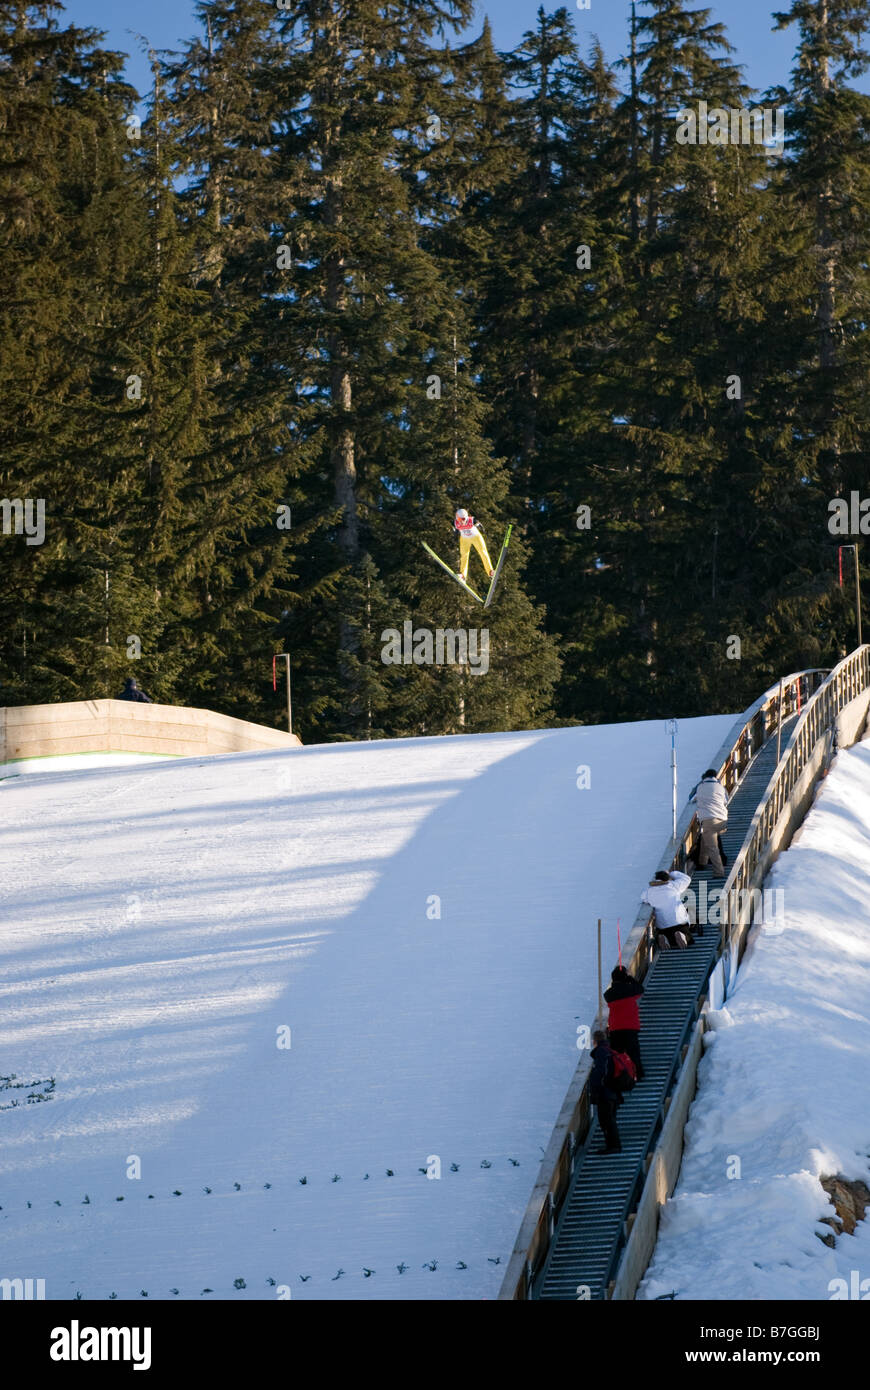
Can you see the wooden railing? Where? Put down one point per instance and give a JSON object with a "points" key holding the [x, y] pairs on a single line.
{"points": [[760, 723], [790, 790], [817, 696]]}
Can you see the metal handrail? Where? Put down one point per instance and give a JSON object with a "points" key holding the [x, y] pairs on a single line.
{"points": [[797, 692], [762, 720], [847, 680]]}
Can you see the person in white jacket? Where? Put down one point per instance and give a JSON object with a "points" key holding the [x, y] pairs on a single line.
{"points": [[711, 799], [665, 894]]}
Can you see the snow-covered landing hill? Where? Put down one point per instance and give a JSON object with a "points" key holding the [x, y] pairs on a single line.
{"points": [[419, 914]]}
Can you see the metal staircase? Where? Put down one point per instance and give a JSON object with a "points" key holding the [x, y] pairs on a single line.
{"points": [[593, 1224]]}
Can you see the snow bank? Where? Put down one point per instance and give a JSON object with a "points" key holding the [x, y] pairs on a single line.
{"points": [[75, 762]]}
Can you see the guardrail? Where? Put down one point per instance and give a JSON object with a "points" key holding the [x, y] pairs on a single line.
{"points": [[796, 693]]}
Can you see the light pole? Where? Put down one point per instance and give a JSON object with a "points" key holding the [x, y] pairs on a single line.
{"points": [[857, 584], [672, 730]]}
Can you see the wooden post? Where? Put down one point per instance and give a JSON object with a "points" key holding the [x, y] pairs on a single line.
{"points": [[286, 656], [289, 706]]}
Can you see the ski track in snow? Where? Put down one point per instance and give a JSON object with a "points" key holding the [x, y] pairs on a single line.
{"points": [[161, 924], [783, 1081]]}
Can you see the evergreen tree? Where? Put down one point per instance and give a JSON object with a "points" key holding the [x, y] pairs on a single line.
{"points": [[350, 276], [819, 417], [827, 188], [232, 556], [537, 254], [71, 225], [378, 320]]}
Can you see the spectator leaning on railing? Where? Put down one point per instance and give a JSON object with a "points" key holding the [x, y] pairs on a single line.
{"points": [[664, 894], [711, 799]]}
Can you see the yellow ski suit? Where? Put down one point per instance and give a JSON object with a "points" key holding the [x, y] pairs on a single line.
{"points": [[470, 536]]}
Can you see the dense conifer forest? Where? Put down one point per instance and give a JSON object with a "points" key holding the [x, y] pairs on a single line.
{"points": [[350, 271]]}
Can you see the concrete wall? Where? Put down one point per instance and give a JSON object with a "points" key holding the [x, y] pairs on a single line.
{"points": [[122, 726]]}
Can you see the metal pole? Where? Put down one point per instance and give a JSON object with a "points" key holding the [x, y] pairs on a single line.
{"points": [[600, 990], [858, 593], [672, 730], [779, 722], [289, 706]]}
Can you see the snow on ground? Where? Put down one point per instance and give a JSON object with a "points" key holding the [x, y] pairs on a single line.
{"points": [[163, 924], [783, 1082], [76, 762]]}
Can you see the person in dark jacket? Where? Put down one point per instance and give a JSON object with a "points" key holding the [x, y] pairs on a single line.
{"points": [[131, 691], [603, 1093], [624, 1021]]}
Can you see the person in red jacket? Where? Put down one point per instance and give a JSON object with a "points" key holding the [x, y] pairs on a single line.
{"points": [[624, 1019]]}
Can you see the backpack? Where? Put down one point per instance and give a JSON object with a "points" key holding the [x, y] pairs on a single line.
{"points": [[624, 1072]]}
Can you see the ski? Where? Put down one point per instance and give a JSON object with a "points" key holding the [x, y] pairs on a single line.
{"points": [[497, 571], [453, 575]]}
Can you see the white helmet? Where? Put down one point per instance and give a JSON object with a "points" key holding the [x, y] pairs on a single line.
{"points": [[462, 514]]}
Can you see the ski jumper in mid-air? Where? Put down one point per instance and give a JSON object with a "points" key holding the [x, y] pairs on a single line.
{"points": [[469, 536]]}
